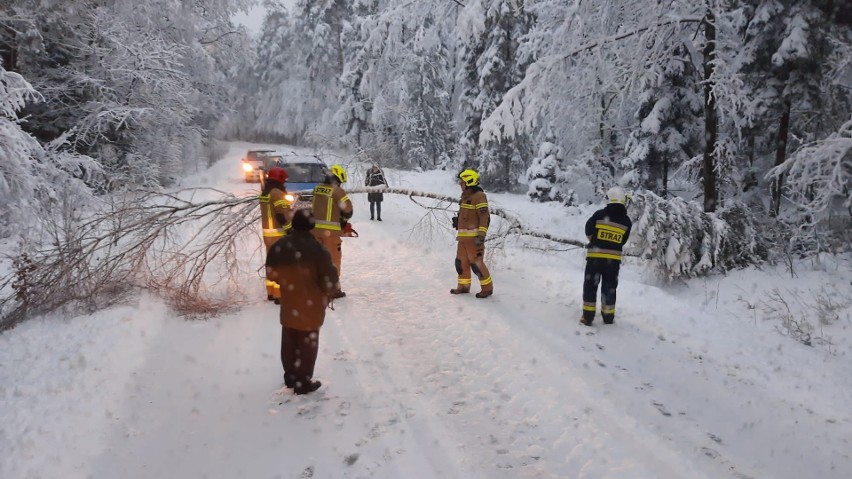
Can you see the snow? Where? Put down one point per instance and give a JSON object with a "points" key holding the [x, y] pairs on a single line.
{"points": [[694, 380]]}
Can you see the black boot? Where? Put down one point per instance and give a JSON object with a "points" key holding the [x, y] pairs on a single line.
{"points": [[460, 290], [308, 388]]}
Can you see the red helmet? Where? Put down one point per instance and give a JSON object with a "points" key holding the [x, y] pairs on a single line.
{"points": [[277, 174]]}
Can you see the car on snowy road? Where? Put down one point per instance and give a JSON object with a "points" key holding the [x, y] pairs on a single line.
{"points": [[304, 172], [256, 163]]}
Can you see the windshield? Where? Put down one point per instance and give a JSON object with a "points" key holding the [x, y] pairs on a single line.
{"points": [[305, 173]]}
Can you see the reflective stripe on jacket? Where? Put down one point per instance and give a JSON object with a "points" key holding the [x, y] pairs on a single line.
{"points": [[608, 230], [330, 204], [474, 217], [272, 204]]}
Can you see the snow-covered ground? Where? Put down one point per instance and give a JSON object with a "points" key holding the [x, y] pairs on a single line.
{"points": [[694, 380]]}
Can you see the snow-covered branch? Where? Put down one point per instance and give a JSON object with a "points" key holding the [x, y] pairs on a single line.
{"points": [[515, 224], [819, 172]]}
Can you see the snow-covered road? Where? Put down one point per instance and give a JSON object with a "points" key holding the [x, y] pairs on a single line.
{"points": [[421, 384]]}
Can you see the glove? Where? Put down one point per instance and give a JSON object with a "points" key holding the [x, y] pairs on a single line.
{"points": [[455, 222], [347, 228], [479, 240]]}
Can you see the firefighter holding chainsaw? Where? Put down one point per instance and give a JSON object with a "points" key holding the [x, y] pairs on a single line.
{"points": [[471, 225], [275, 216], [332, 210]]}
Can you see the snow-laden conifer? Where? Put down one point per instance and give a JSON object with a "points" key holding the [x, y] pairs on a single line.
{"points": [[680, 240], [545, 174]]}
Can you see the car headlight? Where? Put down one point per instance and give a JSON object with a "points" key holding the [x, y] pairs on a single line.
{"points": [[247, 167]]}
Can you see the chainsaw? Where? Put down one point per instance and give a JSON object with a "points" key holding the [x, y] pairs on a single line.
{"points": [[348, 231]]}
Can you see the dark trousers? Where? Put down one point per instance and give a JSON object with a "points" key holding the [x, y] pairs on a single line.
{"points": [[605, 271], [298, 355], [378, 209]]}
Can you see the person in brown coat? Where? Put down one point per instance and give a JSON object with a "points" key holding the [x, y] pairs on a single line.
{"points": [[308, 279], [472, 226], [332, 210], [275, 213]]}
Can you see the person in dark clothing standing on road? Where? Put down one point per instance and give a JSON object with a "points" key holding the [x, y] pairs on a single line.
{"points": [[375, 177], [607, 230], [308, 279]]}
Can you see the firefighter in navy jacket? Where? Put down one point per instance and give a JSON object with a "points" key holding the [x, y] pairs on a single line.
{"points": [[607, 230]]}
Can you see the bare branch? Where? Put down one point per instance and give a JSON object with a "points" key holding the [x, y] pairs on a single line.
{"points": [[169, 244], [515, 225]]}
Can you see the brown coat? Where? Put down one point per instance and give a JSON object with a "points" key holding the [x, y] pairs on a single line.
{"points": [[473, 213], [303, 268]]}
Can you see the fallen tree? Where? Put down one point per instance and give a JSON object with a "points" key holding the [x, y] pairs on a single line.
{"points": [[165, 243]]}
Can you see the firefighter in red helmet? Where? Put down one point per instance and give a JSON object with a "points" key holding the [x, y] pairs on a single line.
{"points": [[275, 215]]}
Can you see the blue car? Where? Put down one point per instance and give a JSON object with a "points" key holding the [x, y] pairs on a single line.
{"points": [[303, 174]]}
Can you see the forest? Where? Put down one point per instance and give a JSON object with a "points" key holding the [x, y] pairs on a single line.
{"points": [[729, 121]]}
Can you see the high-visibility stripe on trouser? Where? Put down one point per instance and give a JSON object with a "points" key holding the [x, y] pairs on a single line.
{"points": [[469, 257], [603, 272], [272, 288]]}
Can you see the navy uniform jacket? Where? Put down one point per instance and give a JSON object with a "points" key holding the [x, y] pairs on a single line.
{"points": [[608, 230]]}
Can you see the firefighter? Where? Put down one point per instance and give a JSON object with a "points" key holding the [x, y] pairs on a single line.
{"points": [[304, 269], [332, 211], [607, 231], [275, 215], [472, 226]]}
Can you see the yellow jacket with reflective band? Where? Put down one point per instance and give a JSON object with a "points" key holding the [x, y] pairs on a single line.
{"points": [[330, 204], [275, 202], [608, 230], [473, 213]]}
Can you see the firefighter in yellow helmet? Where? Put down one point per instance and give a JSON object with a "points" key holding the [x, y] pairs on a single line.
{"points": [[471, 225], [332, 210], [275, 216]]}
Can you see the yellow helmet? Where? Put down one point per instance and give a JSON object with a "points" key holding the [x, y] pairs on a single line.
{"points": [[338, 172], [470, 177]]}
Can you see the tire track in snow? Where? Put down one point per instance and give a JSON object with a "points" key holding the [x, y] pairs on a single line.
{"points": [[500, 394]]}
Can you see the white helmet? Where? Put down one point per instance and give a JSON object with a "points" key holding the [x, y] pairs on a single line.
{"points": [[616, 194]]}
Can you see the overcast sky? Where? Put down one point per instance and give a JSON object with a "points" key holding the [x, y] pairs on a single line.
{"points": [[254, 18]]}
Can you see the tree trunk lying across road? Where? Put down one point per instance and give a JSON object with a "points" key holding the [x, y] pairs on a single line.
{"points": [[515, 225]]}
